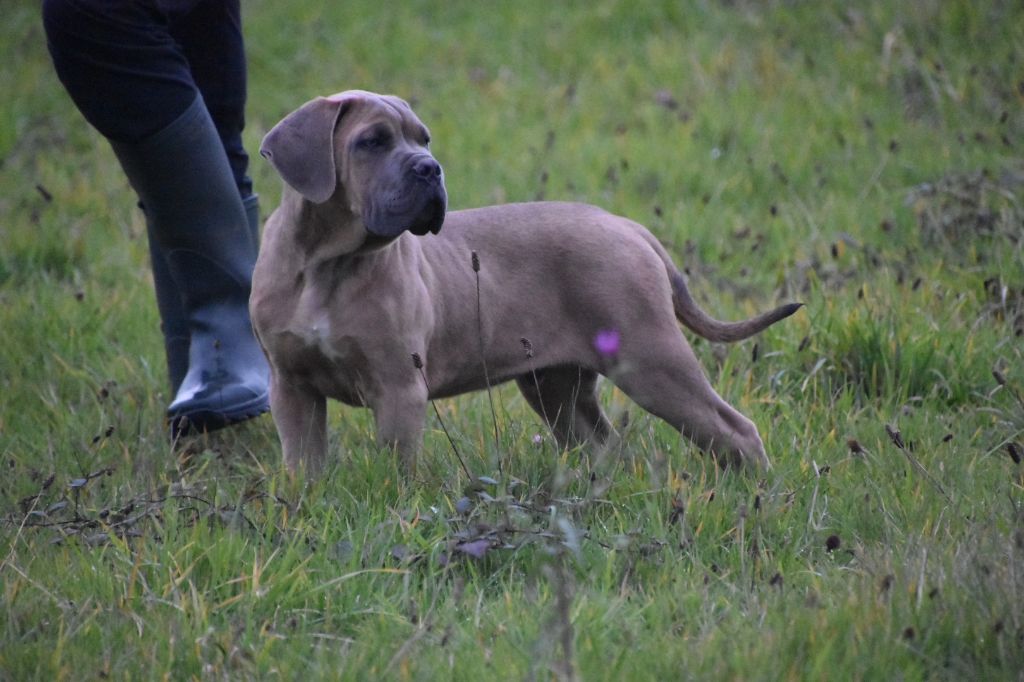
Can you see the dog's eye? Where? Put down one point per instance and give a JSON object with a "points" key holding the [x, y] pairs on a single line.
{"points": [[373, 141]]}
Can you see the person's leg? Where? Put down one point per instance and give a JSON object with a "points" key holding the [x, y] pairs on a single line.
{"points": [[210, 35], [129, 79], [119, 64], [132, 81]]}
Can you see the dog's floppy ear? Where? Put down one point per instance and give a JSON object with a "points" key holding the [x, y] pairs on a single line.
{"points": [[301, 147]]}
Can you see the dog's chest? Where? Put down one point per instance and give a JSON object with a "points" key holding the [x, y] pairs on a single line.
{"points": [[319, 353], [317, 336]]}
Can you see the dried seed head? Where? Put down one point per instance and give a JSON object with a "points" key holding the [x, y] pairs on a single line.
{"points": [[527, 346], [999, 377], [855, 447], [476, 262], [417, 361], [678, 511], [832, 543], [1015, 452], [895, 436]]}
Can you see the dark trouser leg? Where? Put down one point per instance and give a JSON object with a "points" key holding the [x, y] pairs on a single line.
{"points": [[210, 35]]}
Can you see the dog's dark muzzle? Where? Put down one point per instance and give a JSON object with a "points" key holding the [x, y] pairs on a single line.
{"points": [[417, 202], [432, 218], [427, 173]]}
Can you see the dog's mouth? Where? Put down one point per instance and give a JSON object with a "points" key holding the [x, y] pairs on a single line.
{"points": [[421, 212], [431, 218]]}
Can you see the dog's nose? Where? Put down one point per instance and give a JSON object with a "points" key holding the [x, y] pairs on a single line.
{"points": [[426, 168]]}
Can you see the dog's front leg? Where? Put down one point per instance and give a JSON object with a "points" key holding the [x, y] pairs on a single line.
{"points": [[301, 419], [399, 415]]}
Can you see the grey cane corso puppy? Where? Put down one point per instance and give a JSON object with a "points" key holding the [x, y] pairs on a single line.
{"points": [[361, 268]]}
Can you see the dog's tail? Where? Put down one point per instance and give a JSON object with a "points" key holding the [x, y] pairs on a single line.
{"points": [[690, 314]]}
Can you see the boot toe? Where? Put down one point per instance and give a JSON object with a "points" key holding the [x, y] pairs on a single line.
{"points": [[215, 406]]}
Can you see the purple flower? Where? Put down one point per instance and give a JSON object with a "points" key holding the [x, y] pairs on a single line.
{"points": [[606, 342]]}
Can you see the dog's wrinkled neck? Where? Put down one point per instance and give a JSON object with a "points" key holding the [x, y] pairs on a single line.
{"points": [[328, 231], [374, 243]]}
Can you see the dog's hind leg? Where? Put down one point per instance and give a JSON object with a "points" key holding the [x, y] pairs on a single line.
{"points": [[666, 379], [566, 399]]}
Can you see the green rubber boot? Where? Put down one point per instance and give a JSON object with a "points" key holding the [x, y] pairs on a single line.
{"points": [[203, 244]]}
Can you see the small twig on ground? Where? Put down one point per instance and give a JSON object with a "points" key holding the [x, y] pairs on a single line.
{"points": [[561, 619]]}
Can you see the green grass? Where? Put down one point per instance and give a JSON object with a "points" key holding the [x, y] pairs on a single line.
{"points": [[864, 158]]}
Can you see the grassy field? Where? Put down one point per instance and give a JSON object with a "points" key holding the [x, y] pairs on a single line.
{"points": [[864, 158]]}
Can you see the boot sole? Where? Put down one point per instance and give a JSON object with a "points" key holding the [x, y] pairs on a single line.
{"points": [[205, 420]]}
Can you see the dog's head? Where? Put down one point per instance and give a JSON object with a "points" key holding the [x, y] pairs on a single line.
{"points": [[367, 152]]}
